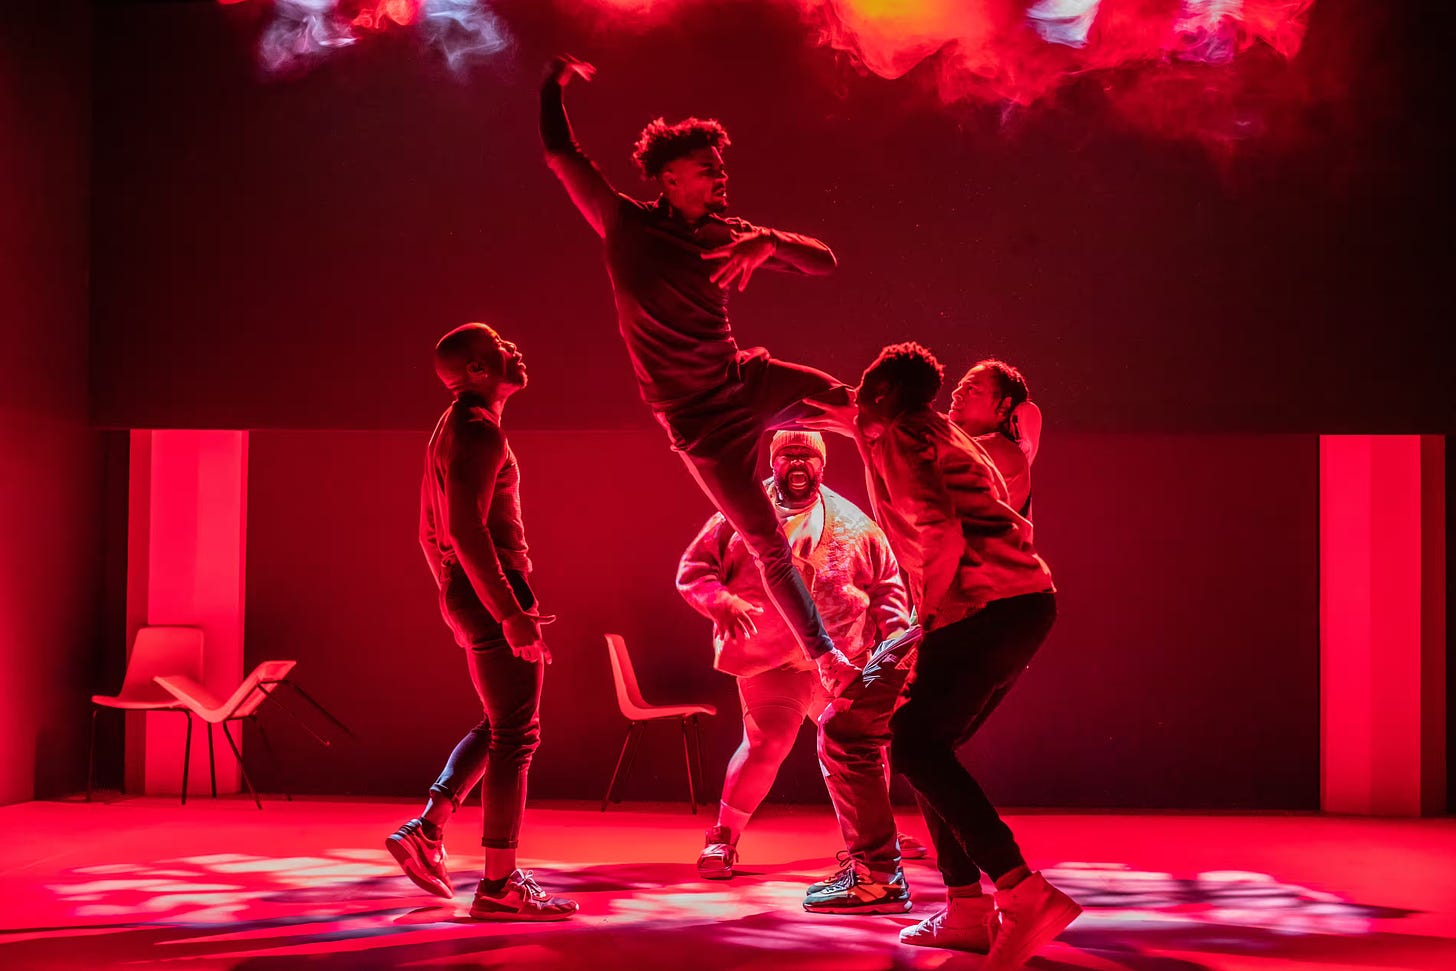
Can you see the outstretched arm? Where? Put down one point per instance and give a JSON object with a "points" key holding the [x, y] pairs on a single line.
{"points": [[588, 188], [774, 249], [800, 253]]}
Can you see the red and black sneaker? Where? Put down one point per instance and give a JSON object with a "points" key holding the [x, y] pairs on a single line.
{"points": [[421, 858]]}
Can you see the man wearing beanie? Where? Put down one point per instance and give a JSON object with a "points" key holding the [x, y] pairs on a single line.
{"points": [[852, 575]]}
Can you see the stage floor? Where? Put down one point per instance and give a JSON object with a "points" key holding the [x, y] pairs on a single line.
{"points": [[145, 883]]}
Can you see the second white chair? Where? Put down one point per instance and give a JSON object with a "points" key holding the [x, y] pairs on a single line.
{"points": [[639, 714]]}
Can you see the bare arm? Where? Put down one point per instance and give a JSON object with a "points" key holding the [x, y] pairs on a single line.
{"points": [[588, 188], [1026, 428]]}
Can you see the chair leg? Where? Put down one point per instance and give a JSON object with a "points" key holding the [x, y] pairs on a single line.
{"points": [[91, 754], [641, 732], [278, 701], [241, 767], [616, 770], [321, 709], [688, 761], [186, 756], [211, 761], [697, 732], [272, 755]]}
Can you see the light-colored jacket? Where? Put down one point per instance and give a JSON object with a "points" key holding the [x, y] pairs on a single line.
{"points": [[944, 507], [852, 576]]}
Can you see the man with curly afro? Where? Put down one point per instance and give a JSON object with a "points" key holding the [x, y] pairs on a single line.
{"points": [[672, 263]]}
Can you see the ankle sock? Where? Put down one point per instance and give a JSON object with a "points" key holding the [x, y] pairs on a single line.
{"points": [[733, 819], [493, 888]]}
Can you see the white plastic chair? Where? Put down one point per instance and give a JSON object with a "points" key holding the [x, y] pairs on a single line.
{"points": [[155, 651], [639, 713], [243, 703]]}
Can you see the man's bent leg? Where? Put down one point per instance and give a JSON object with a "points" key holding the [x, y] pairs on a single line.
{"points": [[774, 705], [959, 674], [726, 469], [853, 733], [781, 394]]}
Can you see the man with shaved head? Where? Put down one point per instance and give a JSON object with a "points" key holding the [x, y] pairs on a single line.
{"points": [[475, 544]]}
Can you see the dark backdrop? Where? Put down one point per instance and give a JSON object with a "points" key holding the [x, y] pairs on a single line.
{"points": [[280, 256], [1183, 671]]}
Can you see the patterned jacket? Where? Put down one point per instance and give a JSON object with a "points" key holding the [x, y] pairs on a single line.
{"points": [[851, 573]]}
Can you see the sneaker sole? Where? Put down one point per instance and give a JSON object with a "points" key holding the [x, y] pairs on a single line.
{"points": [[515, 915], [1051, 924], [724, 874], [880, 907], [969, 947], [413, 869]]}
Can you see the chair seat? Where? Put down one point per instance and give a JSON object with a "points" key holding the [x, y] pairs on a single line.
{"points": [[164, 703], [653, 712], [243, 702]]}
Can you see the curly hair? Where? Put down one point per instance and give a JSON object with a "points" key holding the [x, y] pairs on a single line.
{"points": [[1009, 382], [661, 143], [912, 369]]}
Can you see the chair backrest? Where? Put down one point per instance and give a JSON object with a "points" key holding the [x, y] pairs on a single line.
{"points": [[164, 651], [249, 695], [629, 696]]}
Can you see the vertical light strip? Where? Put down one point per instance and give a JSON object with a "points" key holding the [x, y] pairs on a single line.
{"points": [[1382, 693]]}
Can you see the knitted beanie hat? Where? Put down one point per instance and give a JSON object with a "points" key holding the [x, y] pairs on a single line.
{"points": [[810, 440]]}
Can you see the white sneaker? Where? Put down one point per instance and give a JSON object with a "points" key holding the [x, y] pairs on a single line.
{"points": [[521, 899], [966, 924], [1032, 913]]}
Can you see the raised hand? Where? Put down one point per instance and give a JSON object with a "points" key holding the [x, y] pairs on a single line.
{"points": [[746, 253], [564, 67]]}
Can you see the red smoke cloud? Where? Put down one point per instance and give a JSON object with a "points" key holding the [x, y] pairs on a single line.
{"points": [[1210, 69]]}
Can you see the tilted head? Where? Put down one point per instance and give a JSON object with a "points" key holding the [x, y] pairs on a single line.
{"points": [[686, 162], [985, 397], [797, 459], [474, 358], [904, 378]]}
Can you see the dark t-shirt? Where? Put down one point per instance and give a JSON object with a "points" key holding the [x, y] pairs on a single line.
{"points": [[672, 316]]}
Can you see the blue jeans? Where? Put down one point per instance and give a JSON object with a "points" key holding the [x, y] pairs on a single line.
{"points": [[500, 747]]}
